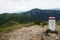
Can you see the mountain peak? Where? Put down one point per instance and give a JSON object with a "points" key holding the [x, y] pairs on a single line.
{"points": [[36, 9]]}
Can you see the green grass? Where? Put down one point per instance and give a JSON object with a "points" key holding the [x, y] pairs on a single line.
{"points": [[10, 28], [14, 26]]}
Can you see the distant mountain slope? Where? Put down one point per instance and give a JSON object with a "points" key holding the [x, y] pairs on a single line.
{"points": [[29, 16], [42, 14]]}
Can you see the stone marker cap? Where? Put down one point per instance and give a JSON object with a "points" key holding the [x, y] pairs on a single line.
{"points": [[51, 18]]}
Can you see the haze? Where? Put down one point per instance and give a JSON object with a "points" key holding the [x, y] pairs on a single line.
{"points": [[12, 6]]}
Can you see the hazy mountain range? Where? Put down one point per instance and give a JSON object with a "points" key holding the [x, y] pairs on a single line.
{"points": [[40, 14], [7, 20], [34, 14]]}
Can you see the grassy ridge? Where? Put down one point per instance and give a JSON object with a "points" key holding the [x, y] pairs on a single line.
{"points": [[10, 26], [9, 22], [13, 21]]}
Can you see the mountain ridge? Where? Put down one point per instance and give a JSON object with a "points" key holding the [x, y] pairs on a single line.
{"points": [[43, 14]]}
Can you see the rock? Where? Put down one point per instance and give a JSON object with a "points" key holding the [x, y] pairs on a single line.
{"points": [[30, 33]]}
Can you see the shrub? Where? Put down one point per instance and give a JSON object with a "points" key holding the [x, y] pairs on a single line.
{"points": [[50, 31]]}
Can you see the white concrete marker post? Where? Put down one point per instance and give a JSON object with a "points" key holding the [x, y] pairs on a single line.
{"points": [[52, 23]]}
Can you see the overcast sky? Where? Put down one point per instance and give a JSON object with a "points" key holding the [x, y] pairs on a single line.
{"points": [[24, 5]]}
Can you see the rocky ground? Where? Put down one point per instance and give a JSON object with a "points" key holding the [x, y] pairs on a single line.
{"points": [[30, 33]]}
